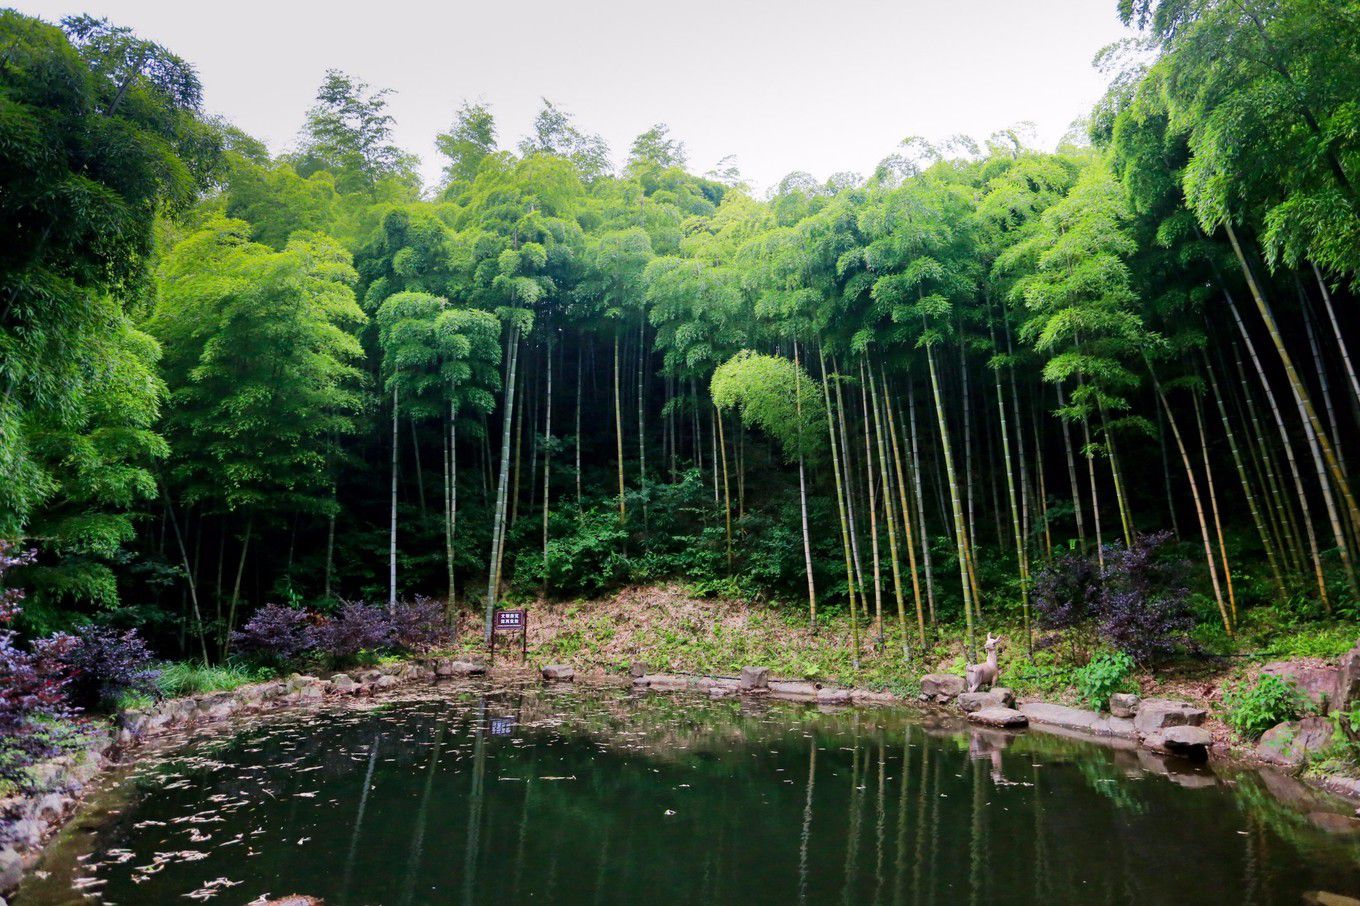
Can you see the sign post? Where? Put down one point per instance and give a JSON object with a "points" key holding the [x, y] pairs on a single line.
{"points": [[511, 621]]}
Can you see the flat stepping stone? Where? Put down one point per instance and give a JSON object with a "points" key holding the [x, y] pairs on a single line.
{"points": [[999, 717], [559, 673]]}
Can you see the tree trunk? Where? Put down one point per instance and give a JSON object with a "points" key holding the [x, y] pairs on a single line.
{"points": [[1302, 498], [908, 538], [920, 501], [493, 580], [888, 515], [236, 587], [872, 506], [1322, 447], [802, 489], [840, 504], [547, 456], [956, 505], [618, 427], [392, 533], [1199, 507]]}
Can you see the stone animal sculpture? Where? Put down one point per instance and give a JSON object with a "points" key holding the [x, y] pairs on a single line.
{"points": [[984, 675]]}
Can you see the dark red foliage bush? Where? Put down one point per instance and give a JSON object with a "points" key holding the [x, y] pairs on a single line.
{"points": [[354, 628], [276, 634], [420, 625], [32, 682], [1139, 604], [104, 665]]}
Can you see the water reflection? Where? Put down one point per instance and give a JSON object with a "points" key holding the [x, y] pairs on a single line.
{"points": [[483, 794]]}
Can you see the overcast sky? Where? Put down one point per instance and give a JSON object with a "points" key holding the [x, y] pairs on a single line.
{"points": [[782, 84]]}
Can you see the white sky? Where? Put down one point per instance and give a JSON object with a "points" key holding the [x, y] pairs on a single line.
{"points": [[792, 85]]}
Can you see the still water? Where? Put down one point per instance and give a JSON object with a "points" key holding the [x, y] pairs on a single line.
{"points": [[494, 794]]}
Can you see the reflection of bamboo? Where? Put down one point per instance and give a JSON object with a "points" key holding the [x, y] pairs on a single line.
{"points": [[418, 840], [852, 838], [474, 825], [900, 867], [359, 819], [1041, 886], [923, 785], [878, 860], [807, 822], [975, 844]]}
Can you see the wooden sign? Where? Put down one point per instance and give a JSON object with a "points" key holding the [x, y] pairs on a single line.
{"points": [[511, 621]]}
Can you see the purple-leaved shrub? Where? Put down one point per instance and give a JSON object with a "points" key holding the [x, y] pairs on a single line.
{"points": [[420, 625], [276, 634], [105, 665], [1139, 604], [32, 682], [354, 628]]}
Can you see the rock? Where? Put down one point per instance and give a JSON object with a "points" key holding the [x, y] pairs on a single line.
{"points": [[1157, 714], [560, 673], [1182, 739], [368, 676], [941, 687], [1291, 742], [755, 678], [216, 706], [1124, 704], [11, 868], [833, 696], [1327, 898], [664, 682], [295, 899], [1347, 679], [795, 690], [446, 667], [976, 701], [385, 681], [344, 683], [1079, 720], [1319, 684], [998, 716], [721, 692], [637, 670]]}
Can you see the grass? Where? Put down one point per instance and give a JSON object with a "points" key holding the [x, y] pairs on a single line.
{"points": [[192, 678]]}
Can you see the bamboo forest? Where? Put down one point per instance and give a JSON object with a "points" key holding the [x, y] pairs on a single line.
{"points": [[997, 500]]}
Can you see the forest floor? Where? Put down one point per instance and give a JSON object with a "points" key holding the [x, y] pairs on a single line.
{"points": [[668, 630]]}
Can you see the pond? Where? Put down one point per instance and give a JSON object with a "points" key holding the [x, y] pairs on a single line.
{"points": [[482, 793]]}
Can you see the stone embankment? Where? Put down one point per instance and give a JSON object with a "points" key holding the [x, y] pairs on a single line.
{"points": [[28, 818]]}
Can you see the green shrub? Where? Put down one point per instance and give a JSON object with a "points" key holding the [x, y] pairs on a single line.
{"points": [[1252, 710], [1105, 675]]}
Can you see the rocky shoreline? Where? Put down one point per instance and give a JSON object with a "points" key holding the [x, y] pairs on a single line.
{"points": [[1161, 726]]}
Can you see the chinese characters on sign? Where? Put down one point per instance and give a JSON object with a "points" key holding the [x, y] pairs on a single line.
{"points": [[511, 621]]}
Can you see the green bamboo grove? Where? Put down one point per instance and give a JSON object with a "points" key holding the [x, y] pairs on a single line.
{"points": [[233, 377]]}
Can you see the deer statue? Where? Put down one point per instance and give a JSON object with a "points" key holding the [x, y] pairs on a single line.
{"points": [[984, 674]]}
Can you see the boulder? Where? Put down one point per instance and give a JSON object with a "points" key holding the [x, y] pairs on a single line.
{"points": [[344, 683], [1347, 679], [446, 667], [385, 681], [999, 717], [998, 697], [637, 670], [721, 692], [941, 687], [11, 868], [560, 673], [1181, 739], [368, 676], [1157, 714], [1124, 704], [295, 899], [1319, 684], [753, 678], [1290, 743]]}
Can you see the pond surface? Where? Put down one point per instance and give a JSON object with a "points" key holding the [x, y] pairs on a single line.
{"points": [[489, 794]]}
